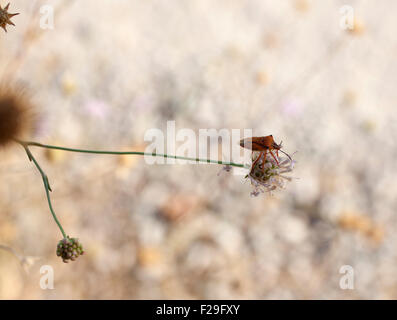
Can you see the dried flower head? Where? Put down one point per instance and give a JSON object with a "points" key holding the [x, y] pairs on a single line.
{"points": [[269, 176], [5, 17], [69, 249], [16, 118]]}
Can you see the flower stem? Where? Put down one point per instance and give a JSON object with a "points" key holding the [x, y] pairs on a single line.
{"points": [[154, 154], [26, 144], [47, 186]]}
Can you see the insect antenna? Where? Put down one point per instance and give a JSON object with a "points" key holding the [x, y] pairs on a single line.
{"points": [[286, 154]]}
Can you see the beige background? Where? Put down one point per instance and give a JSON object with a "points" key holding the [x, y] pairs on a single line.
{"points": [[110, 70]]}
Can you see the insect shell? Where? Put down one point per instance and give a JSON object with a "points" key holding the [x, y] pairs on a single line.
{"points": [[260, 143], [263, 145]]}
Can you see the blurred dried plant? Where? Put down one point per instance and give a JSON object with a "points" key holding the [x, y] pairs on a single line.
{"points": [[30, 35], [357, 222], [16, 114], [5, 17], [26, 261]]}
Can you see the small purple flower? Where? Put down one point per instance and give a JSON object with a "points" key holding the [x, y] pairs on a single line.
{"points": [[97, 108], [292, 108]]}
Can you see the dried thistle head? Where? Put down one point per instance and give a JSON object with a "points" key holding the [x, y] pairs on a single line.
{"points": [[16, 117], [5, 17]]}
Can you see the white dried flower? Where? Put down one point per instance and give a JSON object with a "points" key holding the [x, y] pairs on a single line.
{"points": [[269, 176]]}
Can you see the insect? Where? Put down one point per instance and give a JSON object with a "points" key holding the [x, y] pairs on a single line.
{"points": [[263, 145]]}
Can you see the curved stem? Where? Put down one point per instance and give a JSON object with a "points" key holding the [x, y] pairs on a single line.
{"points": [[47, 186], [154, 154], [26, 144]]}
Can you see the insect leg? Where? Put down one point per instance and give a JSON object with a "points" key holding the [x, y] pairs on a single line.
{"points": [[257, 159], [273, 156], [263, 161]]}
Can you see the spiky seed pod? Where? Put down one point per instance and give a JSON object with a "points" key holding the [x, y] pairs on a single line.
{"points": [[69, 249], [5, 17], [16, 115]]}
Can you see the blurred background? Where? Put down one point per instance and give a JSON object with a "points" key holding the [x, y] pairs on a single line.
{"points": [[110, 70]]}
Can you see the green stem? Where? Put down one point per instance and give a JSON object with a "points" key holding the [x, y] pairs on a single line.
{"points": [[154, 154], [26, 144], [46, 184]]}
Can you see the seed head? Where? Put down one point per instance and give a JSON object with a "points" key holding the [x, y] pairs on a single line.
{"points": [[5, 17], [69, 249]]}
